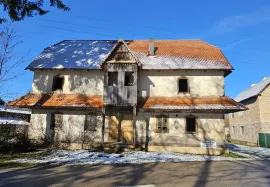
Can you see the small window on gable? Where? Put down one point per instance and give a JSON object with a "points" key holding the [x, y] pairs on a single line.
{"points": [[162, 124], [112, 78], [191, 124], [90, 122], [57, 120], [182, 85], [58, 83], [129, 78]]}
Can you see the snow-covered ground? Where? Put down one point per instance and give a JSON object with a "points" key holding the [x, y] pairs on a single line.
{"points": [[253, 152], [87, 157]]}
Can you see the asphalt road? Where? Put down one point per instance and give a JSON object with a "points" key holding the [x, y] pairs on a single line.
{"points": [[196, 174]]}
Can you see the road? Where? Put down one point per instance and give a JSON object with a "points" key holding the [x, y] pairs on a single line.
{"points": [[195, 174]]}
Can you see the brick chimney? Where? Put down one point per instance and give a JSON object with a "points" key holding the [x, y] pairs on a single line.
{"points": [[151, 51]]}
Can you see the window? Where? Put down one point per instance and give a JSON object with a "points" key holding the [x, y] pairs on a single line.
{"points": [[242, 129], [240, 113], [90, 122], [112, 78], [182, 85], [191, 124], [232, 115], [57, 120], [57, 83], [129, 78], [233, 130], [162, 124]]}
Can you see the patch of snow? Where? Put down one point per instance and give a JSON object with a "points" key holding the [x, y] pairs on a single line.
{"points": [[4, 108], [12, 121], [254, 152], [83, 157]]}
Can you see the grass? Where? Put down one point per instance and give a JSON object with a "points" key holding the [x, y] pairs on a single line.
{"points": [[7, 159], [232, 155]]}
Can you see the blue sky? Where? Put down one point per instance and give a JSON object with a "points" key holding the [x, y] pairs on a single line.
{"points": [[240, 28]]}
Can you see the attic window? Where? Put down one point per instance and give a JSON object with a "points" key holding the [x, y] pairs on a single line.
{"points": [[58, 83], [112, 78], [182, 85], [129, 78]]}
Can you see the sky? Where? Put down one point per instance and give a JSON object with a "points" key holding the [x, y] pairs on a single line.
{"points": [[240, 28]]}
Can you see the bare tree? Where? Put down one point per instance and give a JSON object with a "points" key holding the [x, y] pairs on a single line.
{"points": [[9, 60]]}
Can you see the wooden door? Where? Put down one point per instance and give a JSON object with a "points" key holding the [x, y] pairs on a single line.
{"points": [[127, 128], [114, 122]]}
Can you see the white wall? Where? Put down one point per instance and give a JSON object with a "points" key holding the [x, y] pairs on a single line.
{"points": [[165, 83], [75, 81]]}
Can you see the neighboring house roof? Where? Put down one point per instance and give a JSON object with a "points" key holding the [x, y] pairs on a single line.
{"points": [[58, 100], [170, 54], [254, 90], [16, 110], [192, 103]]}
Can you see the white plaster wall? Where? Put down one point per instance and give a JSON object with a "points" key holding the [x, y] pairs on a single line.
{"points": [[165, 83], [72, 130], [210, 127], [75, 81]]}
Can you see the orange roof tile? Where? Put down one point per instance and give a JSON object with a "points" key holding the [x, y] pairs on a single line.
{"points": [[209, 102], [58, 100]]}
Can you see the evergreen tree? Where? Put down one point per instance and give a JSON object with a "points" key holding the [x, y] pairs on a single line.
{"points": [[19, 9]]}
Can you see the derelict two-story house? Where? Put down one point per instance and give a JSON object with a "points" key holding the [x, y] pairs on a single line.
{"points": [[167, 95]]}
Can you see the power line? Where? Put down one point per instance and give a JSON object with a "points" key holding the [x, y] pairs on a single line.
{"points": [[84, 32]]}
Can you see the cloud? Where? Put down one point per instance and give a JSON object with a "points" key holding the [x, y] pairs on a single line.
{"points": [[235, 43], [243, 20]]}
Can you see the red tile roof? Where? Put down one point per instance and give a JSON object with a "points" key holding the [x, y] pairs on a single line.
{"points": [[58, 100], [203, 103]]}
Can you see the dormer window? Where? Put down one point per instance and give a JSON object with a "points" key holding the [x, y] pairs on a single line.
{"points": [[183, 85], [58, 82]]}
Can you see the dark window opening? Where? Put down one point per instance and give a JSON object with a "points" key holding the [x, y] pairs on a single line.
{"points": [[182, 85], [58, 83], [162, 125], [112, 78], [57, 120], [90, 123], [129, 78], [191, 126]]}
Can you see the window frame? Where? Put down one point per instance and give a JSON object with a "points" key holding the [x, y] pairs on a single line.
{"points": [[161, 130], [183, 78], [90, 128], [196, 124], [133, 74], [53, 119], [108, 78], [53, 84]]}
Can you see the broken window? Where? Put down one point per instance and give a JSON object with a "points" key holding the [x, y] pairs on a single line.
{"points": [[58, 83], [182, 85], [191, 125], [162, 125], [129, 78], [112, 78], [90, 122], [56, 120]]}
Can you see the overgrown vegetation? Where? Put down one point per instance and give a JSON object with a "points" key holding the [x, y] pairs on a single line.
{"points": [[232, 155]]}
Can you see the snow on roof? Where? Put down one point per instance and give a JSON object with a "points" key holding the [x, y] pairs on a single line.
{"points": [[81, 54], [174, 54], [12, 121], [254, 90], [17, 110]]}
